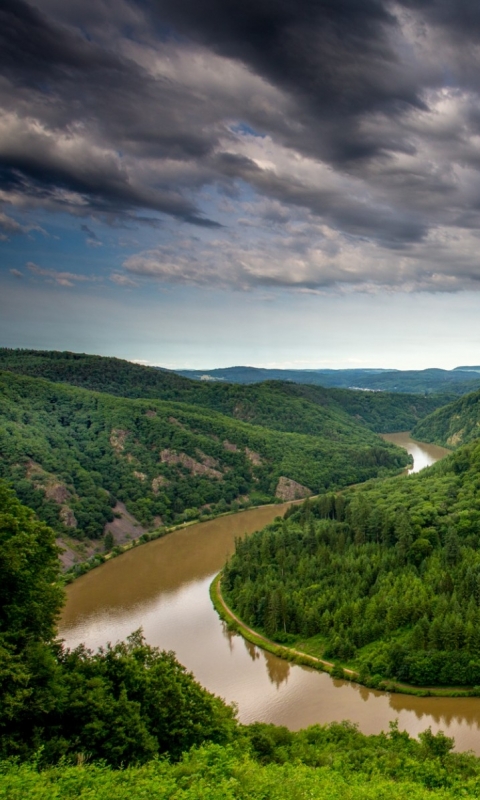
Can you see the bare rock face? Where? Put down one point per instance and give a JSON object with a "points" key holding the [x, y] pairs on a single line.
{"points": [[124, 526], [288, 489], [57, 492], [209, 461], [455, 438], [140, 476], [196, 468], [68, 517], [232, 448], [117, 439], [253, 457], [157, 482]]}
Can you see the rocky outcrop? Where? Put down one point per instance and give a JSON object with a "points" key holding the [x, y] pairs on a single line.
{"points": [[124, 526], [196, 468], [455, 438], [157, 482], [68, 517], [56, 492], [232, 448], [288, 489], [209, 461], [117, 439], [253, 457]]}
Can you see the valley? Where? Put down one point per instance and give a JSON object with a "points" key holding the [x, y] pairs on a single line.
{"points": [[229, 469]]}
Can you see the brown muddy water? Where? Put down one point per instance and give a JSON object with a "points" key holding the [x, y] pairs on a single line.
{"points": [[163, 587]]}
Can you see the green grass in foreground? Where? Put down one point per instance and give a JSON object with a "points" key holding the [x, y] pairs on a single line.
{"points": [[395, 767]]}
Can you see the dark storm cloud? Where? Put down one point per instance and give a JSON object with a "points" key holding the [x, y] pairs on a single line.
{"points": [[329, 51], [339, 58], [67, 81], [335, 206], [356, 119]]}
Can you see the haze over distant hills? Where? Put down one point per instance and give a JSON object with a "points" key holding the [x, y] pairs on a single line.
{"points": [[457, 381]]}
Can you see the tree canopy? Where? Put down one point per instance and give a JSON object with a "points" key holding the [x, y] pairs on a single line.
{"points": [[384, 578]]}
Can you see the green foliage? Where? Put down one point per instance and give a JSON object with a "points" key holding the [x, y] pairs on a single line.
{"points": [[72, 453], [276, 404], [124, 704], [333, 762], [457, 381], [30, 598], [387, 575], [455, 424]]}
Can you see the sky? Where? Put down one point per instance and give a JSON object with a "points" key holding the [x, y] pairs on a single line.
{"points": [[278, 183]]}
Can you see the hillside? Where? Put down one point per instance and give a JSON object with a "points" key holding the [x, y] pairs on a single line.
{"points": [[384, 579], [455, 424], [79, 458], [457, 381], [273, 404]]}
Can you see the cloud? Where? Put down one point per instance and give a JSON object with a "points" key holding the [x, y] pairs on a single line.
{"points": [[122, 280], [92, 238], [311, 144], [310, 257], [16, 273], [60, 278], [10, 227]]}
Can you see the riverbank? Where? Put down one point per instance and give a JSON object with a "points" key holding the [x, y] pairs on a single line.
{"points": [[97, 559], [335, 669]]}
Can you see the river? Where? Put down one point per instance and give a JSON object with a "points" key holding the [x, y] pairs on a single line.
{"points": [[163, 588]]}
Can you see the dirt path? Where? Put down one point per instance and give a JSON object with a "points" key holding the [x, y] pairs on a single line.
{"points": [[260, 638]]}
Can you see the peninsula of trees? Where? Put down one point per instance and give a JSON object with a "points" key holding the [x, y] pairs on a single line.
{"points": [[384, 579]]}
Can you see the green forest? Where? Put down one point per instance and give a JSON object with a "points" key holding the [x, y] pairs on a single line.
{"points": [[384, 578], [72, 454], [129, 722], [456, 381], [455, 424], [280, 405]]}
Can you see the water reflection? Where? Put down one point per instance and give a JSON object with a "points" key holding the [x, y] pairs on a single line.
{"points": [[163, 587], [278, 669], [252, 651]]}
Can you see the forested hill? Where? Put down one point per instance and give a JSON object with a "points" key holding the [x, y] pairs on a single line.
{"points": [[384, 578], [73, 455], [457, 381], [455, 424], [273, 404]]}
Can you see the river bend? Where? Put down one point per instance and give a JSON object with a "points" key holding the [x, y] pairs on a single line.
{"points": [[163, 588]]}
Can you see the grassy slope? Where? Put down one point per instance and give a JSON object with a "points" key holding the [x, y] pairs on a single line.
{"points": [[455, 424]]}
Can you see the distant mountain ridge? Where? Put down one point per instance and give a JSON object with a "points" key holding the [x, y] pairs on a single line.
{"points": [[428, 381], [276, 404]]}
